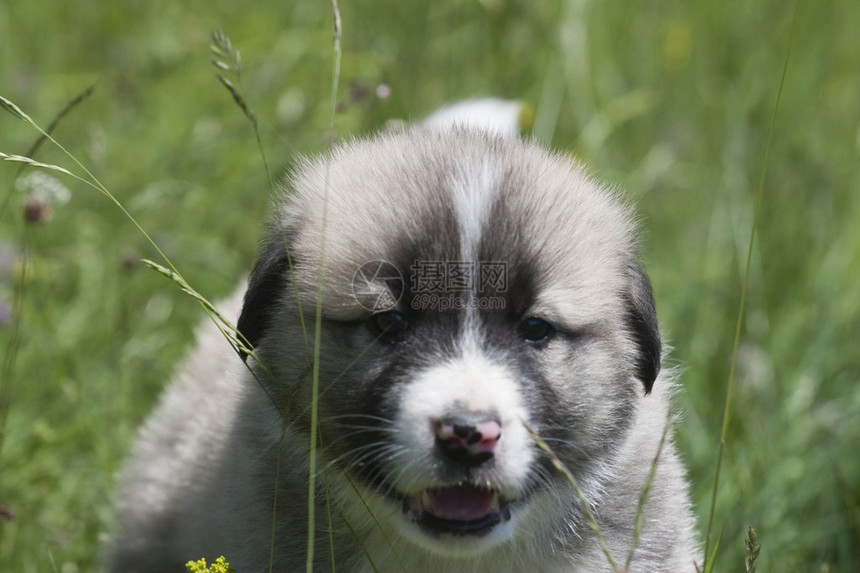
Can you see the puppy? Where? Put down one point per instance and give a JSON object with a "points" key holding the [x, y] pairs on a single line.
{"points": [[472, 288]]}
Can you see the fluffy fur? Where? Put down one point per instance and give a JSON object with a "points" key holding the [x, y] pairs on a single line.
{"points": [[222, 465]]}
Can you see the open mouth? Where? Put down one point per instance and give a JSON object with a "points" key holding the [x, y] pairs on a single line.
{"points": [[462, 509]]}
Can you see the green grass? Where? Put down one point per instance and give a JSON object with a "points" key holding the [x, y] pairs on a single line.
{"points": [[670, 101]]}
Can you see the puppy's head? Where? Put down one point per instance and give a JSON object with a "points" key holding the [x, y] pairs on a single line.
{"points": [[470, 286]]}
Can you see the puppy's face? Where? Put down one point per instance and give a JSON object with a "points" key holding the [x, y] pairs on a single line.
{"points": [[470, 287]]}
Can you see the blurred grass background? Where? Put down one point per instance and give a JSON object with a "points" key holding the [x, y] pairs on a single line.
{"points": [[670, 101]]}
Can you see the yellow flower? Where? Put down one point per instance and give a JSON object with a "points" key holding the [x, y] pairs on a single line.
{"points": [[220, 566]]}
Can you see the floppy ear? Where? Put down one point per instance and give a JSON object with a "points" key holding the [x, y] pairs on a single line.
{"points": [[642, 323], [266, 286]]}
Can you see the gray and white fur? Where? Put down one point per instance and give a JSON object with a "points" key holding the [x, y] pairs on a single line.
{"points": [[424, 458]]}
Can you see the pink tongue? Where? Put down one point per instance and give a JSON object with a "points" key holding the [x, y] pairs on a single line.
{"points": [[462, 503]]}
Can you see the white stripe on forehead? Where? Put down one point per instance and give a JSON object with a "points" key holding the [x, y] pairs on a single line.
{"points": [[473, 189]]}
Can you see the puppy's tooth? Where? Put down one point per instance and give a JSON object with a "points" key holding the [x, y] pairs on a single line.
{"points": [[494, 506]]}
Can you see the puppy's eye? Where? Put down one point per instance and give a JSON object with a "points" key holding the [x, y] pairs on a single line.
{"points": [[536, 330], [388, 323]]}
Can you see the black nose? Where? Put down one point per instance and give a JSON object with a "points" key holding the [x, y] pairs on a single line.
{"points": [[467, 441]]}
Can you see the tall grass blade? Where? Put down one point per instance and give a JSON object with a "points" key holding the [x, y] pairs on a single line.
{"points": [[223, 48], [328, 515], [745, 283], [92, 180], [360, 543], [227, 329], [315, 378], [239, 342], [646, 490], [19, 285], [589, 515], [26, 161], [73, 103], [709, 566], [15, 110], [376, 523]]}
